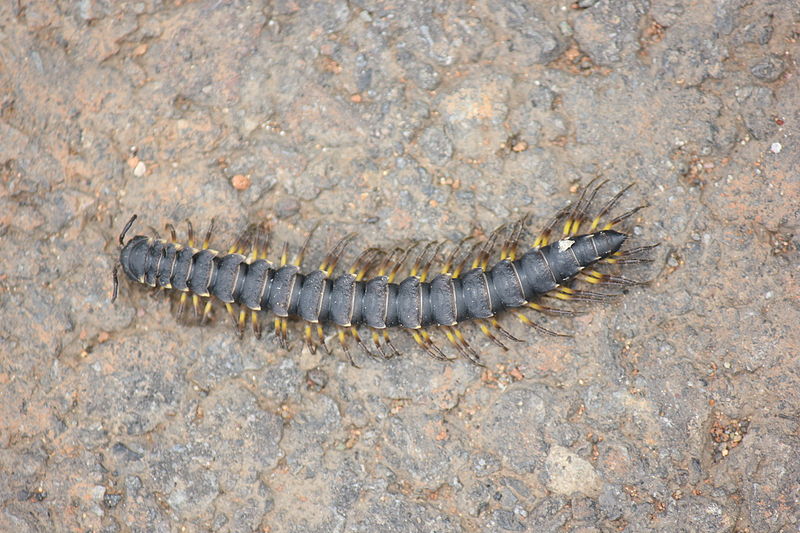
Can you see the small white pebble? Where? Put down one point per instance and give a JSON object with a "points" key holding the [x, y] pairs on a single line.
{"points": [[776, 148], [140, 169]]}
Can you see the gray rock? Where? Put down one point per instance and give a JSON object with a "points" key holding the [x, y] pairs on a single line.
{"points": [[394, 515], [513, 424], [435, 145], [769, 68], [612, 501], [532, 40], [759, 32], [569, 473], [484, 464], [756, 108], [701, 514], [608, 30], [542, 97], [287, 207], [549, 515], [668, 12], [691, 56], [506, 520], [428, 77]]}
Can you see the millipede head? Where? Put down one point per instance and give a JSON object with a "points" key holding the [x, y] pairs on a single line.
{"points": [[115, 270]]}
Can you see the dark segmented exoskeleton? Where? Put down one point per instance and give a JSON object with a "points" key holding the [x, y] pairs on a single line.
{"points": [[243, 277]]}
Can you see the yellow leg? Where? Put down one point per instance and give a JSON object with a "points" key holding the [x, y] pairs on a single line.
{"points": [[298, 258], [262, 241], [431, 347], [309, 342], [400, 262], [256, 324], [196, 305], [284, 254], [455, 338], [357, 337], [190, 233], [342, 334], [376, 340], [419, 262], [388, 343], [182, 303], [485, 330], [232, 314], [427, 267], [465, 349], [278, 336], [172, 234], [528, 322], [496, 325], [206, 312], [207, 240], [549, 310], [321, 335], [242, 320]]}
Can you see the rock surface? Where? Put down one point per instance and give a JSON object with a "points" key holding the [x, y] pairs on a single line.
{"points": [[672, 408]]}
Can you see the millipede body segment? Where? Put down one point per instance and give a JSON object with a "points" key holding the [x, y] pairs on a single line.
{"points": [[244, 278]]}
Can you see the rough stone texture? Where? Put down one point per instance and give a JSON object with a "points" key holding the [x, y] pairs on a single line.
{"points": [[569, 473], [673, 408]]}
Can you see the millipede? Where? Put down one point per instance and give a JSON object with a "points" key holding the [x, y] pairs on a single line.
{"points": [[465, 289]]}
